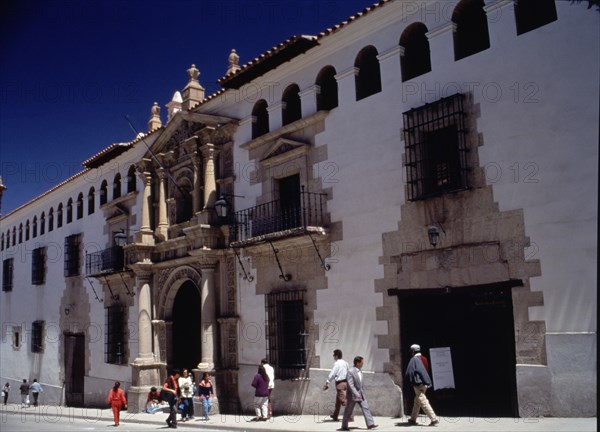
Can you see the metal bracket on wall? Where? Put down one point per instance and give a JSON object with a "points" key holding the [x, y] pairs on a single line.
{"points": [[248, 277], [113, 296], [285, 277], [130, 293], [94, 290], [324, 265]]}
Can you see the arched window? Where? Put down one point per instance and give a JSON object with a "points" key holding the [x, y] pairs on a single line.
{"points": [[117, 186], [327, 98], [51, 219], [531, 14], [368, 79], [79, 205], [14, 241], [21, 232], [91, 201], [43, 224], [59, 216], [471, 35], [131, 179], [260, 122], [27, 230], [292, 109], [34, 227], [70, 210], [103, 192], [2, 242], [416, 58]]}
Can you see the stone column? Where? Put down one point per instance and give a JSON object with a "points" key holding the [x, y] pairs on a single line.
{"points": [[197, 199], [162, 227], [208, 215], [145, 234], [209, 152], [145, 368], [208, 316]]}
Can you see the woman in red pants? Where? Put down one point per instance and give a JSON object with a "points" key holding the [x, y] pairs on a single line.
{"points": [[117, 401]]}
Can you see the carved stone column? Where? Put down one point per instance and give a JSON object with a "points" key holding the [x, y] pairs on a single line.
{"points": [[208, 316], [209, 153], [146, 371], [145, 234], [163, 226], [197, 199]]}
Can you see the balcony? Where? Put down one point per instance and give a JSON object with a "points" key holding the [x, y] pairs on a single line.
{"points": [[111, 260], [279, 218]]}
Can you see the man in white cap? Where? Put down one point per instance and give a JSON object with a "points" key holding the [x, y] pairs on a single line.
{"points": [[417, 377]]}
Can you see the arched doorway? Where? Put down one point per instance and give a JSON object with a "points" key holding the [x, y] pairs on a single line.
{"points": [[186, 330]]}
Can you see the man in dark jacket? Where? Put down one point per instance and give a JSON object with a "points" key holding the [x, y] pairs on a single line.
{"points": [[417, 377], [24, 393]]}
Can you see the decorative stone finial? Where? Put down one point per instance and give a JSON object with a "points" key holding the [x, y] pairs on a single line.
{"points": [[234, 60], [193, 93], [154, 121], [193, 73]]}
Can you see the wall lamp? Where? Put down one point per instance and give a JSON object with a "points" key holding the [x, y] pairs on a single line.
{"points": [[434, 233], [68, 308], [222, 206]]}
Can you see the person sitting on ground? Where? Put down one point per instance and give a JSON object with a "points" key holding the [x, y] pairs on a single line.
{"points": [[153, 401]]}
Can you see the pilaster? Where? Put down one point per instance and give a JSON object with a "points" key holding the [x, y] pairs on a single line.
{"points": [[347, 86]]}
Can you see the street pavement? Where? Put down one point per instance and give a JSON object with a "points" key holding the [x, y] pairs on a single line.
{"points": [[52, 414]]}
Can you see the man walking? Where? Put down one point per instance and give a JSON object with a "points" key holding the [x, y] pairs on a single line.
{"points": [[338, 374], [418, 379], [36, 389], [355, 394], [24, 388]]}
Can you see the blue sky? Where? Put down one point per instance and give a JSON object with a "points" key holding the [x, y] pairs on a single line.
{"points": [[72, 70]]}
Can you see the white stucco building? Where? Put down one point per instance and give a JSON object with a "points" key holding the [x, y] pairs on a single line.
{"points": [[424, 172]]}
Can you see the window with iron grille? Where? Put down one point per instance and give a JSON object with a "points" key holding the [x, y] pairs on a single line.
{"points": [[285, 331], [72, 253], [7, 274], [114, 340], [38, 266], [37, 337], [435, 144]]}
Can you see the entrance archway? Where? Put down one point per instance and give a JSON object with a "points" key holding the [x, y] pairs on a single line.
{"points": [[186, 330]]}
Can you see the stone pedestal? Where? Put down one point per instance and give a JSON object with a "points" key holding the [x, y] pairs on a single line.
{"points": [[144, 376]]}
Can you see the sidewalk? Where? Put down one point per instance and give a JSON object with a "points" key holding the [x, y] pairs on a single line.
{"points": [[305, 423]]}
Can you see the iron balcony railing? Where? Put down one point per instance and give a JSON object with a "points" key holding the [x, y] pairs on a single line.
{"points": [[279, 216], [109, 260]]}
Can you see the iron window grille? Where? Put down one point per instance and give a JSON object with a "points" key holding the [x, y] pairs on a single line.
{"points": [[72, 246], [7, 274], [38, 266], [286, 335], [436, 150], [37, 337], [114, 341]]}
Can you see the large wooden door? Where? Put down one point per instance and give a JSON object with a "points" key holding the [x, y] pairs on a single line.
{"points": [[74, 369]]}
